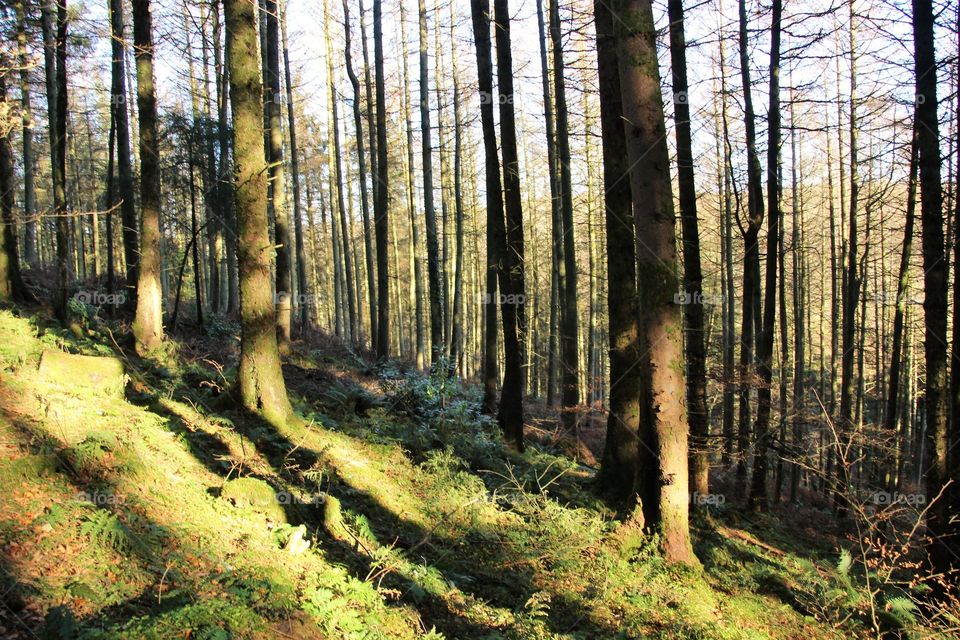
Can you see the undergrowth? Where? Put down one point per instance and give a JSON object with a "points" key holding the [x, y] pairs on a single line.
{"points": [[397, 513]]}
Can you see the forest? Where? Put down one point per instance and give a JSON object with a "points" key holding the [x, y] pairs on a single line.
{"points": [[449, 319]]}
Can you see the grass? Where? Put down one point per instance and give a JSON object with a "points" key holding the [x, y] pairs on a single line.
{"points": [[396, 514]]}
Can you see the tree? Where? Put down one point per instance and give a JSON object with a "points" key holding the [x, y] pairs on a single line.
{"points": [[29, 197], [943, 539], [758, 489], [851, 290], [118, 105], [456, 339], [53, 17], [276, 168], [11, 281], [148, 324], [262, 389], [510, 414], [349, 292], [750, 321], [556, 232], [692, 274], [381, 210], [303, 287], [430, 216], [628, 449], [479, 10], [661, 403], [362, 162], [569, 333]]}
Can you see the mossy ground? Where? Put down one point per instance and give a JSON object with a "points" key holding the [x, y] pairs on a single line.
{"points": [[122, 517]]}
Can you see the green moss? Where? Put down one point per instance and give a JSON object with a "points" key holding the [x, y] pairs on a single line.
{"points": [[256, 495], [29, 467]]}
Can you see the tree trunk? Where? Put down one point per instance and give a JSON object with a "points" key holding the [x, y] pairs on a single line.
{"points": [[118, 104], [628, 451], [30, 254], [569, 334], [729, 320], [851, 293], [303, 287], [416, 269], [11, 281], [433, 261], [278, 193], [759, 500], [54, 21], [943, 548], [799, 333], [349, 292], [362, 161], [692, 275], [262, 389], [662, 403], [751, 255], [456, 334], [381, 214], [556, 232], [148, 323], [225, 184], [496, 231], [512, 304]]}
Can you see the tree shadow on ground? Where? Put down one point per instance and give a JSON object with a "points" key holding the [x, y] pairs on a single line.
{"points": [[505, 584]]}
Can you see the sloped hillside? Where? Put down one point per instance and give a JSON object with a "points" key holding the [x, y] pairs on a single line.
{"points": [[143, 505]]}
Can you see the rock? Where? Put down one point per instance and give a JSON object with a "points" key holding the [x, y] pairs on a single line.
{"points": [[256, 495], [102, 374]]}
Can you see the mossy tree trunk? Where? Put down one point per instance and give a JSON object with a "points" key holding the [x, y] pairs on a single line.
{"points": [[148, 323], [11, 280], [278, 189], [262, 389], [29, 193], [661, 398]]}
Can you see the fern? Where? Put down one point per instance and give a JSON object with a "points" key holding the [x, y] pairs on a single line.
{"points": [[105, 528], [844, 564], [902, 610]]}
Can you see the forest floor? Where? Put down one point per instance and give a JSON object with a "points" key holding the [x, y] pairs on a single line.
{"points": [[150, 507]]}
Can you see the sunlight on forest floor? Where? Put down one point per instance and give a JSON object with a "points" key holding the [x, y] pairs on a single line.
{"points": [[392, 510]]}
